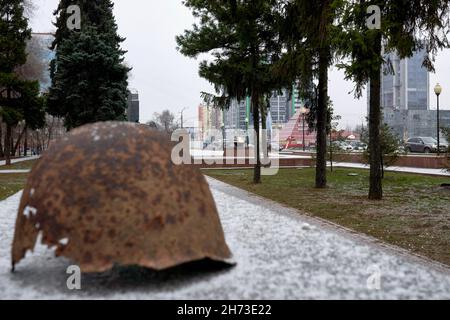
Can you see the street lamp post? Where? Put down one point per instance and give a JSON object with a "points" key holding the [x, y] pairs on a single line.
{"points": [[438, 91], [304, 112], [182, 111], [223, 136], [246, 132]]}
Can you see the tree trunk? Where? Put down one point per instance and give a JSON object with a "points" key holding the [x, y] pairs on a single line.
{"points": [[50, 133], [19, 139], [2, 154], [264, 136], [331, 150], [25, 143], [8, 144], [322, 106], [257, 170], [11, 141], [376, 187], [8, 135]]}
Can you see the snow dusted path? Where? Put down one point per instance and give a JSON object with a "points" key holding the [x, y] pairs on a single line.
{"points": [[13, 171], [2, 162], [280, 254], [432, 172]]}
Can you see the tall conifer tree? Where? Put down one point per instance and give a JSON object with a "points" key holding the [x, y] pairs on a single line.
{"points": [[89, 77], [309, 34], [242, 36], [19, 99], [405, 27]]}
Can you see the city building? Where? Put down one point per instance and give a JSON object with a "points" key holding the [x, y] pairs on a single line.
{"points": [[283, 106], [280, 108], [209, 118], [296, 102], [238, 116], [412, 123], [133, 106], [405, 98], [405, 83]]}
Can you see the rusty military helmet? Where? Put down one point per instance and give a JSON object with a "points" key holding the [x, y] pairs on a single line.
{"points": [[108, 193]]}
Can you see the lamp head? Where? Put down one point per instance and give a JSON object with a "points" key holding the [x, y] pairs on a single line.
{"points": [[304, 110], [438, 89]]}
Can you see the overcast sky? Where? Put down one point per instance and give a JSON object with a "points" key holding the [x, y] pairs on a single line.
{"points": [[167, 80]]}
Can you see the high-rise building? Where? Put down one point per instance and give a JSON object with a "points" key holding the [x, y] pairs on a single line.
{"points": [[133, 106], [280, 108], [239, 115], [405, 83], [296, 102], [405, 96], [283, 107]]}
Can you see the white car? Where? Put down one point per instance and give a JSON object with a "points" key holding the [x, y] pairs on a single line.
{"points": [[345, 146]]}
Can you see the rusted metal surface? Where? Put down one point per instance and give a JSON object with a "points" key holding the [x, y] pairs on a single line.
{"points": [[109, 194]]}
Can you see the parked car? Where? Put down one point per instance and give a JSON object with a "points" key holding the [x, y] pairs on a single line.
{"points": [[346, 146], [358, 145], [336, 144], [424, 145], [445, 142], [341, 145]]}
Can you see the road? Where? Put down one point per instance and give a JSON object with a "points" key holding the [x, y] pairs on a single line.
{"points": [[280, 254]]}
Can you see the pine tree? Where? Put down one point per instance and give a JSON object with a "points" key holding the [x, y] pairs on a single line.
{"points": [[89, 78], [309, 33], [406, 26], [98, 13], [242, 37], [16, 96]]}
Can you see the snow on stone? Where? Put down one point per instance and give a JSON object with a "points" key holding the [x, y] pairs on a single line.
{"points": [[29, 211], [64, 241], [280, 254]]}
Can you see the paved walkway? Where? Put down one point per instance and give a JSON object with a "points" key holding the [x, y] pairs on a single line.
{"points": [[2, 162], [280, 254], [14, 171]]}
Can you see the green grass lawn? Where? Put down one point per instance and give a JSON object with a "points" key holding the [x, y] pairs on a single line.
{"points": [[11, 184], [415, 213], [24, 165]]}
